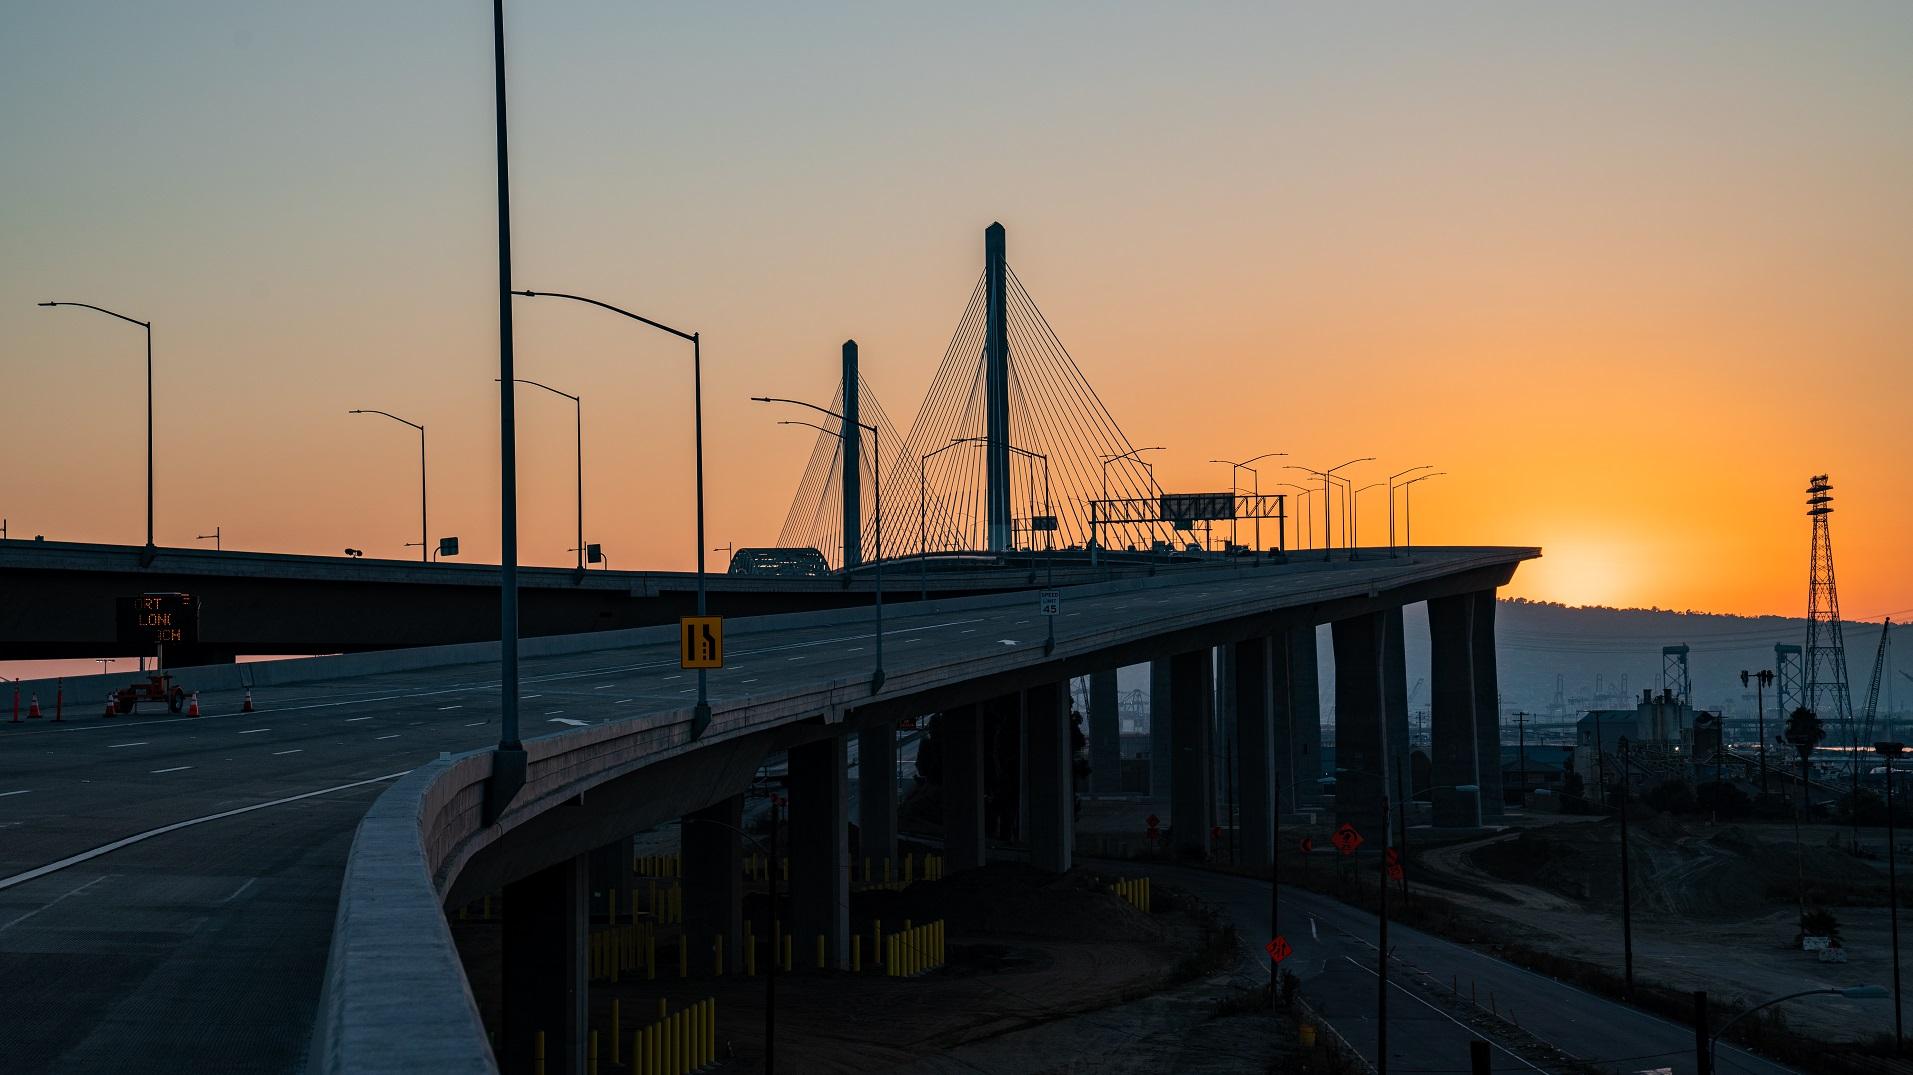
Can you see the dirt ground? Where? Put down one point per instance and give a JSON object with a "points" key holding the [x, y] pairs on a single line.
{"points": [[1037, 965], [1715, 906]]}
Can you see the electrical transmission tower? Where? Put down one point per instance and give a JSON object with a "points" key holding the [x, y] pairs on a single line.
{"points": [[1825, 687]]}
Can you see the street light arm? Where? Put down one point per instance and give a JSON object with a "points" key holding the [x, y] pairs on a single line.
{"points": [[659, 325], [1712, 1041], [388, 414], [104, 310], [814, 407], [546, 387], [1410, 470]]}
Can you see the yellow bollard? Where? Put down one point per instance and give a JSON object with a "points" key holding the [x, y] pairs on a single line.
{"points": [[591, 1054], [820, 951], [614, 1032], [663, 1011], [876, 939], [856, 953], [538, 1053], [651, 1065], [890, 956]]}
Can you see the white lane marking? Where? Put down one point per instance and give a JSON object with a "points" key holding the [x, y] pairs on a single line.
{"points": [[1313, 935], [796, 658], [349, 720], [1444, 1015], [174, 769], [128, 841], [53, 901], [567, 720], [668, 679], [967, 631], [1007, 641], [622, 701], [606, 687], [22, 791], [855, 649], [529, 697], [376, 738], [751, 680], [254, 731], [478, 724], [688, 690], [443, 708], [294, 750], [117, 746], [552, 712], [237, 892]]}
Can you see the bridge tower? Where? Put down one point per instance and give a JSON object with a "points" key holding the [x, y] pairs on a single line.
{"points": [[996, 386], [853, 453]]}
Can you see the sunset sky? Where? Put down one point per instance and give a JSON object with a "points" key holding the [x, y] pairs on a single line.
{"points": [[1628, 273]]}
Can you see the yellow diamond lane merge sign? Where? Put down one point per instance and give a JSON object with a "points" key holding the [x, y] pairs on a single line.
{"points": [[701, 642]]}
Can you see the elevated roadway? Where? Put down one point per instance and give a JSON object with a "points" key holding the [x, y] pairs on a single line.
{"points": [[179, 894], [61, 598]]}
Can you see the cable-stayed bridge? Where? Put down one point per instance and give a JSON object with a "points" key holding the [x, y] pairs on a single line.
{"points": [[1011, 447]]}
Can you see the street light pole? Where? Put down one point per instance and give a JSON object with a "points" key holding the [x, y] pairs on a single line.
{"points": [[1354, 514], [1391, 500], [876, 450], [1328, 532], [1893, 752], [148, 326], [1095, 540], [509, 762], [1408, 509], [1244, 465], [701, 716], [1762, 679], [424, 542], [579, 409], [1627, 889]]}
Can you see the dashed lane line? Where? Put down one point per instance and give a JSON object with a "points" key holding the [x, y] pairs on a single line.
{"points": [[376, 738], [9, 794], [294, 750], [118, 746], [254, 731], [53, 901], [174, 769], [138, 837]]}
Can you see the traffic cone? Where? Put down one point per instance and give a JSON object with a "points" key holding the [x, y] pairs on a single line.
{"points": [[247, 708], [33, 710], [110, 707], [193, 710]]}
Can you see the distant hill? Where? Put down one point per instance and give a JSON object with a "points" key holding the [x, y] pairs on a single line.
{"points": [[1599, 651]]}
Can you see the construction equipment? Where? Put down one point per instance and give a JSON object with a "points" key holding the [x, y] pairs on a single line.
{"points": [[1873, 682], [159, 687]]}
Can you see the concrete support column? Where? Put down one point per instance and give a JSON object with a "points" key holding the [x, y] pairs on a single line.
{"points": [[1255, 755], [1401, 769], [713, 843], [612, 876], [1487, 705], [1192, 793], [1361, 751], [1161, 732], [1225, 730], [1453, 757], [1050, 788], [820, 847], [1105, 735], [1305, 712], [543, 962], [1284, 753], [877, 793], [961, 740]]}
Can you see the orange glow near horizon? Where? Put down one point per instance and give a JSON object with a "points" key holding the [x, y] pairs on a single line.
{"points": [[1627, 285]]}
